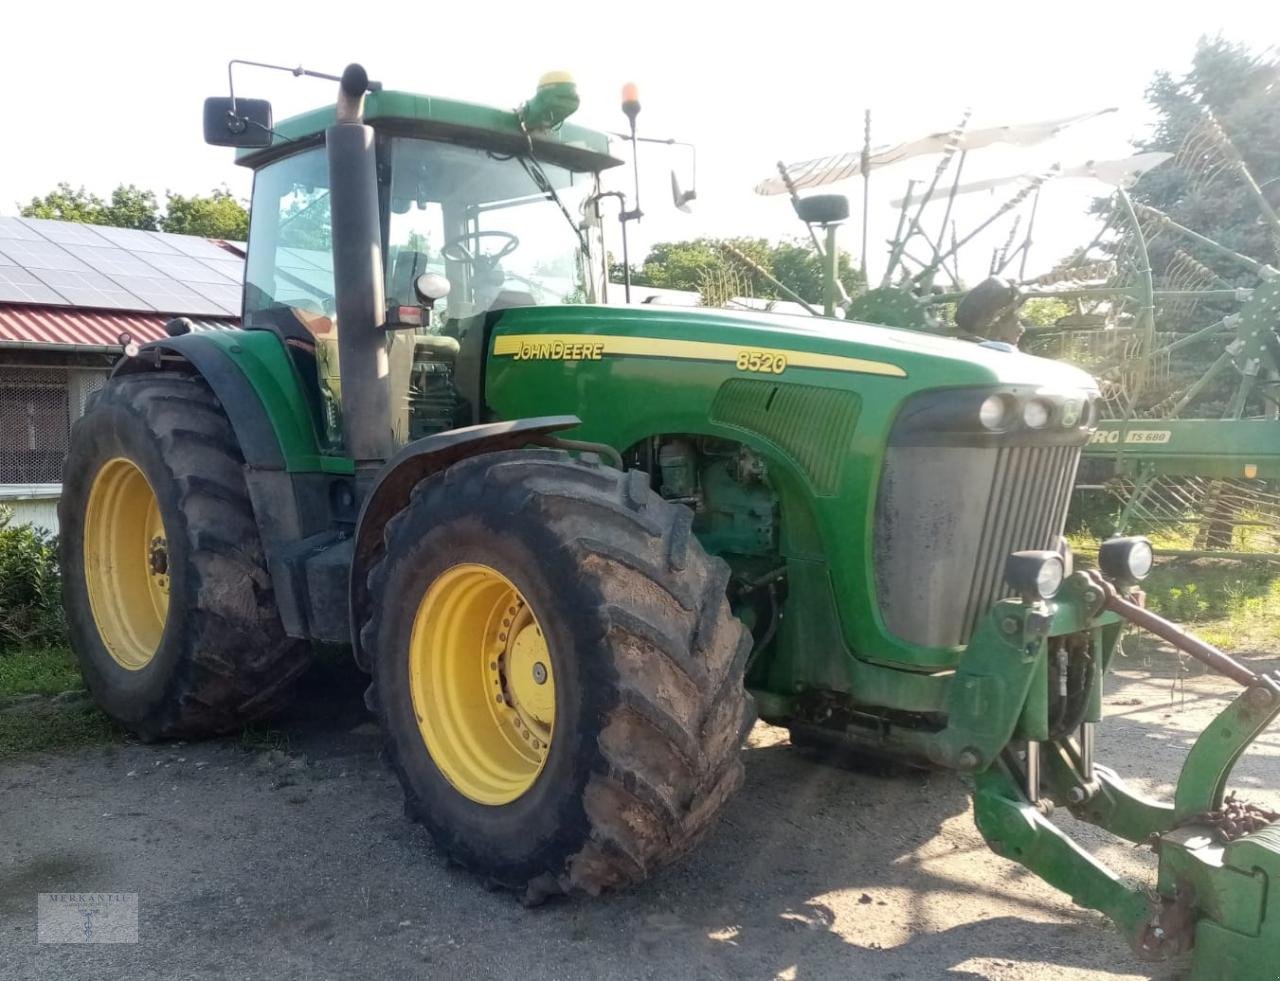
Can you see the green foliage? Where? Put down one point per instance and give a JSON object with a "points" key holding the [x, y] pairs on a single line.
{"points": [[30, 588], [1092, 516], [1185, 604], [1242, 90], [1230, 603], [1043, 311], [38, 671], [688, 264], [52, 726], [1233, 605], [215, 215], [129, 207]]}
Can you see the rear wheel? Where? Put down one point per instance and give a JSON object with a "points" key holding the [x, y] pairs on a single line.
{"points": [[558, 671], [168, 600]]}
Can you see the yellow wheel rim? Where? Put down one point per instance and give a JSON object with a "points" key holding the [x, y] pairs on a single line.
{"points": [[126, 563], [483, 688]]}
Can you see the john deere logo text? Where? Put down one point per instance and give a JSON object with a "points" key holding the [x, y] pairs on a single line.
{"points": [[560, 351]]}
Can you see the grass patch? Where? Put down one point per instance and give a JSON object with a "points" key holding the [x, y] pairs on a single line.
{"points": [[38, 671], [1232, 604], [51, 726], [44, 724]]}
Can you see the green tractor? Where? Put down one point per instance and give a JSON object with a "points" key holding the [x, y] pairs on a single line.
{"points": [[579, 547]]}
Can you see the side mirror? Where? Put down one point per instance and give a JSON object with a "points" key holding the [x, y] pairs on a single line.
{"points": [[238, 123], [681, 198]]}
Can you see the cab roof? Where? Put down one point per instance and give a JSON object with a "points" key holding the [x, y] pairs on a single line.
{"points": [[408, 114]]}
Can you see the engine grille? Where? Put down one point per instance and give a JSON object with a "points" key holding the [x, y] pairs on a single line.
{"points": [[1027, 509], [946, 519]]}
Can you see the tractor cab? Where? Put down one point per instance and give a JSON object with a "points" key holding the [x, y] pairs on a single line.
{"points": [[477, 214]]}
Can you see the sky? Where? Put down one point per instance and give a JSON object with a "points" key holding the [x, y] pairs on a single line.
{"points": [[117, 89]]}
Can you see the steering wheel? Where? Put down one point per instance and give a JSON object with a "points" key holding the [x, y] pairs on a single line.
{"points": [[456, 250]]}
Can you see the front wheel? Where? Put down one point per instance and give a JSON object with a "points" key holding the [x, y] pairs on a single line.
{"points": [[558, 671]]}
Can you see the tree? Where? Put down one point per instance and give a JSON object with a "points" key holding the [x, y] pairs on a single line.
{"points": [[1242, 91], [215, 215], [1201, 189], [219, 215], [129, 207], [132, 208], [688, 264]]}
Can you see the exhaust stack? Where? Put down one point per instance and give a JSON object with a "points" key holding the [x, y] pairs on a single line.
{"points": [[358, 281]]}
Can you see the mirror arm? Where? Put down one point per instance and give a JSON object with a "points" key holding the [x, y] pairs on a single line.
{"points": [[668, 141], [296, 72]]}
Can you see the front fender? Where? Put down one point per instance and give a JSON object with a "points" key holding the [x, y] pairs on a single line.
{"points": [[415, 462]]}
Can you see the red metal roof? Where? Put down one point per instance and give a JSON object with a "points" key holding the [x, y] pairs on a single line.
{"points": [[48, 327]]}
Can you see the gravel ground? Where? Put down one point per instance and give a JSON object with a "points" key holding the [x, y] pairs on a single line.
{"points": [[295, 862]]}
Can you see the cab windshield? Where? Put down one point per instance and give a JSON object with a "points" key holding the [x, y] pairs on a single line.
{"points": [[505, 230]]}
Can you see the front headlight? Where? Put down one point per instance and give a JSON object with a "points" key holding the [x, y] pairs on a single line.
{"points": [[1035, 574], [1126, 559], [1036, 413], [992, 412]]}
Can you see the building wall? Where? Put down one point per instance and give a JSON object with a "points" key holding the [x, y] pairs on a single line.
{"points": [[39, 401], [34, 504]]}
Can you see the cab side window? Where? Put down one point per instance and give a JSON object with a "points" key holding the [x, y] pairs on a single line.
{"points": [[290, 265]]}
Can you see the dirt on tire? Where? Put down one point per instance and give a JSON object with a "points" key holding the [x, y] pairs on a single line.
{"points": [[650, 664], [224, 659]]}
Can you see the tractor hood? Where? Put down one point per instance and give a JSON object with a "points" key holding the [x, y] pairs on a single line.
{"points": [[771, 343]]}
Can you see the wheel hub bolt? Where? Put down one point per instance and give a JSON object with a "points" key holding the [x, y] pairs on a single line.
{"points": [[158, 558], [540, 673]]}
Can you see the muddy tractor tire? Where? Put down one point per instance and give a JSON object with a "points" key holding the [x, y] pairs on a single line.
{"points": [[558, 672], [168, 601]]}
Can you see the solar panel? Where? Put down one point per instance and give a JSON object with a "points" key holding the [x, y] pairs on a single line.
{"points": [[70, 264], [291, 258], [39, 255], [226, 295], [66, 232], [17, 285], [112, 261], [185, 269], [14, 228], [169, 296], [230, 267], [136, 240], [197, 248], [89, 289]]}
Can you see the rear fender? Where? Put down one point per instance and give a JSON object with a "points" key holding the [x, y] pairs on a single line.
{"points": [[297, 493], [259, 443]]}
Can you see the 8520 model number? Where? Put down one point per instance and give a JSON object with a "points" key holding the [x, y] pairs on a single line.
{"points": [[768, 362]]}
